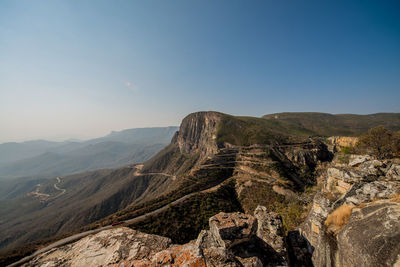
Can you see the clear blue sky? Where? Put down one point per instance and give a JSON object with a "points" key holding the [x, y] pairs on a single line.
{"points": [[82, 68]]}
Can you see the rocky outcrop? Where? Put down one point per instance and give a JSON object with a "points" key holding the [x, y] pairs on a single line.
{"points": [[233, 228], [198, 133], [295, 163], [177, 255], [237, 239], [371, 237], [354, 220], [113, 247], [336, 143], [270, 230], [234, 239]]}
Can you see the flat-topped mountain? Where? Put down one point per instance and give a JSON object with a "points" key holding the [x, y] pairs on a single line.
{"points": [[338, 124]]}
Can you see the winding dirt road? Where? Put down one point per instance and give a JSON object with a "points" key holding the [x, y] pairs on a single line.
{"points": [[59, 189], [126, 222]]}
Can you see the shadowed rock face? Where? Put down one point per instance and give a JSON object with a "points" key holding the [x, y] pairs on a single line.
{"points": [[270, 229], [232, 228]]}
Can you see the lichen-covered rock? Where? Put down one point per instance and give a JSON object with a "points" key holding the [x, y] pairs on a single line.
{"points": [[366, 185], [371, 237], [233, 228], [270, 229], [184, 255], [311, 243], [393, 172], [232, 241], [367, 192], [250, 262], [108, 247], [358, 159]]}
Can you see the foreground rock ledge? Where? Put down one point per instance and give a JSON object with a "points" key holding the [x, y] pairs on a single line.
{"points": [[370, 236], [232, 241]]}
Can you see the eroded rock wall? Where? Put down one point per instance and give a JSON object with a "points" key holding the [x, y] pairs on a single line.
{"points": [[354, 220]]}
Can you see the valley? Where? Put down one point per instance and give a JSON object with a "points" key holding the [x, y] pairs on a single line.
{"points": [[48, 159], [204, 170], [199, 133]]}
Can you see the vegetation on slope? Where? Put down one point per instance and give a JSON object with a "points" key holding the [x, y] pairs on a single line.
{"points": [[324, 124], [201, 180], [380, 142], [184, 221], [292, 210], [170, 160], [88, 198], [244, 131]]}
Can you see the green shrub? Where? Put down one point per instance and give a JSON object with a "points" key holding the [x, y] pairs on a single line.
{"points": [[183, 222], [379, 142]]}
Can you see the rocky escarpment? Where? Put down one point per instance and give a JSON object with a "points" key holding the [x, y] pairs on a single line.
{"points": [[355, 219], [234, 239], [286, 168], [336, 143], [198, 133]]}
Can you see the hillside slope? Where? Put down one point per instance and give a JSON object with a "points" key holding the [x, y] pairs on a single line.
{"points": [[48, 159], [198, 158], [215, 162], [325, 124]]}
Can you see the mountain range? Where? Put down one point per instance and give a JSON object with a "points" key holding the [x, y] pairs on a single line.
{"points": [[215, 162]]}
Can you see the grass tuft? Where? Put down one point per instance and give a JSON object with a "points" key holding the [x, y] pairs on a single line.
{"points": [[338, 218]]}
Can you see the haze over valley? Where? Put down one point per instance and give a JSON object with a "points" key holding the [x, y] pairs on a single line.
{"points": [[199, 133]]}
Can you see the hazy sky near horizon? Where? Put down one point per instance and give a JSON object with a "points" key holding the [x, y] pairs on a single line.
{"points": [[81, 68]]}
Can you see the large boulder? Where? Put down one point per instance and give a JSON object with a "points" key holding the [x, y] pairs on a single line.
{"points": [[235, 239], [371, 237], [108, 247], [270, 229], [367, 233], [230, 229], [356, 160], [393, 172], [177, 255], [368, 192]]}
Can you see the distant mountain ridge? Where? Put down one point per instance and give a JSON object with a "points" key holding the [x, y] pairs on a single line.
{"points": [[218, 161], [47, 158], [326, 124]]}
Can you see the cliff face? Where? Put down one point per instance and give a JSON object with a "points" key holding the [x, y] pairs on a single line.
{"points": [[198, 133], [336, 143], [355, 219]]}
